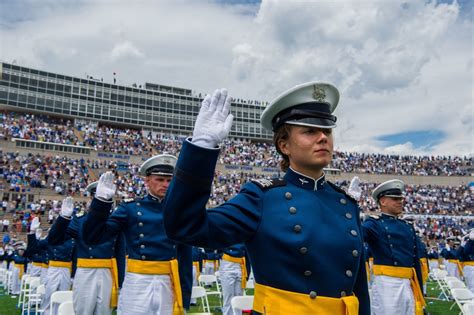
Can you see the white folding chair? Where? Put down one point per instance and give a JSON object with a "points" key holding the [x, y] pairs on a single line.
{"points": [[31, 284], [439, 275], [23, 282], [59, 297], [241, 303], [3, 272], [8, 281], [468, 308], [455, 284], [211, 280], [461, 297], [66, 308], [199, 292], [37, 297]]}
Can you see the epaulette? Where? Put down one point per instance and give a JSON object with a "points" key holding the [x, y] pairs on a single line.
{"points": [[374, 216], [269, 183], [128, 200], [342, 191]]}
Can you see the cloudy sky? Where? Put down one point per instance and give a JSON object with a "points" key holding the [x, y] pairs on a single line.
{"points": [[404, 68]]}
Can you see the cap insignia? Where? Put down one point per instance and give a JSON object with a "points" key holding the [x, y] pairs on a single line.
{"points": [[319, 94]]}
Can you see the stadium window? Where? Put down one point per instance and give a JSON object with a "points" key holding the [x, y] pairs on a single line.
{"points": [[75, 90], [3, 94]]}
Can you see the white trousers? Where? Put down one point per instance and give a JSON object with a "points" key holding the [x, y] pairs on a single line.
{"points": [[392, 296], [34, 271], [195, 282], [44, 275], [433, 264], [92, 289], [59, 279], [15, 282], [230, 275], [452, 269], [469, 277], [208, 268], [146, 295]]}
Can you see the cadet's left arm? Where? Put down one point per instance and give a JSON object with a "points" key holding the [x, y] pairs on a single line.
{"points": [[185, 263], [120, 257], [417, 263]]}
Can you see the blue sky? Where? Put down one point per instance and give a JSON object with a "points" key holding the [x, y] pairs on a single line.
{"points": [[404, 68]]}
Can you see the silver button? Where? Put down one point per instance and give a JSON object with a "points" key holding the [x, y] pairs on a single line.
{"points": [[303, 250], [343, 293], [91, 257], [307, 273], [313, 294], [391, 245], [349, 215], [389, 236], [143, 257], [142, 246], [349, 273], [292, 210], [140, 224], [138, 204], [297, 228], [395, 263], [139, 213], [343, 201], [354, 232], [355, 253], [288, 195], [90, 248], [141, 235]]}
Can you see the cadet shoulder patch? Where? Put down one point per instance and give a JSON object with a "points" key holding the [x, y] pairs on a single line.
{"points": [[342, 191], [265, 184], [374, 216], [128, 200]]}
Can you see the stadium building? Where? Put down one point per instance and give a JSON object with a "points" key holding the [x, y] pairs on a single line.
{"points": [[154, 107]]}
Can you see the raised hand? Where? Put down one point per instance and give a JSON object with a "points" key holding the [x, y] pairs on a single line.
{"points": [[354, 188], [35, 223], [67, 207], [105, 187], [213, 122]]}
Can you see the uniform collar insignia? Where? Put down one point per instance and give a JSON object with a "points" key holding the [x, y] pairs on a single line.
{"points": [[304, 181], [154, 198]]}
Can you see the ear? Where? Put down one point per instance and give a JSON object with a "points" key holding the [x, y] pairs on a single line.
{"points": [[283, 145]]}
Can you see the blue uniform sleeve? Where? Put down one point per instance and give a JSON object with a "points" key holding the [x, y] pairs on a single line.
{"points": [[34, 245], [185, 263], [99, 225], [369, 231], [185, 216], [58, 230], [120, 257]]}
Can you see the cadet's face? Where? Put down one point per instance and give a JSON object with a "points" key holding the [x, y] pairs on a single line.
{"points": [[309, 149], [390, 205], [157, 184]]}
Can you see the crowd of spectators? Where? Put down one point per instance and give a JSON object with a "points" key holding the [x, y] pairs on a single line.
{"points": [[234, 151]]}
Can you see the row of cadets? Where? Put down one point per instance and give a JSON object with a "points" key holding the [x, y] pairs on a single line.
{"points": [[233, 273], [38, 260], [466, 256], [211, 261], [100, 268], [451, 259], [60, 259], [397, 285], [158, 279], [285, 223]]}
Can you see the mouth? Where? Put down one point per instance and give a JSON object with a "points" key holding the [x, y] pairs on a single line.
{"points": [[321, 151]]}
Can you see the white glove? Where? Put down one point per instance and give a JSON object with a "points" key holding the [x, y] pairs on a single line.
{"points": [[35, 223], [67, 207], [38, 234], [213, 122], [105, 187], [354, 188]]}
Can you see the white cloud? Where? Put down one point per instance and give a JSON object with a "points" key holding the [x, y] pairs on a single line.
{"points": [[400, 65]]}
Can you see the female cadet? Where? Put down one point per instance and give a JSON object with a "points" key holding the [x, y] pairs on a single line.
{"points": [[302, 233]]}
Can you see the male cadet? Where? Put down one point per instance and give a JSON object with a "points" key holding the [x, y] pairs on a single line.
{"points": [[433, 257], [466, 255], [451, 259], [39, 265], [100, 268], [159, 271], [18, 267], [396, 287], [60, 259], [233, 274]]}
